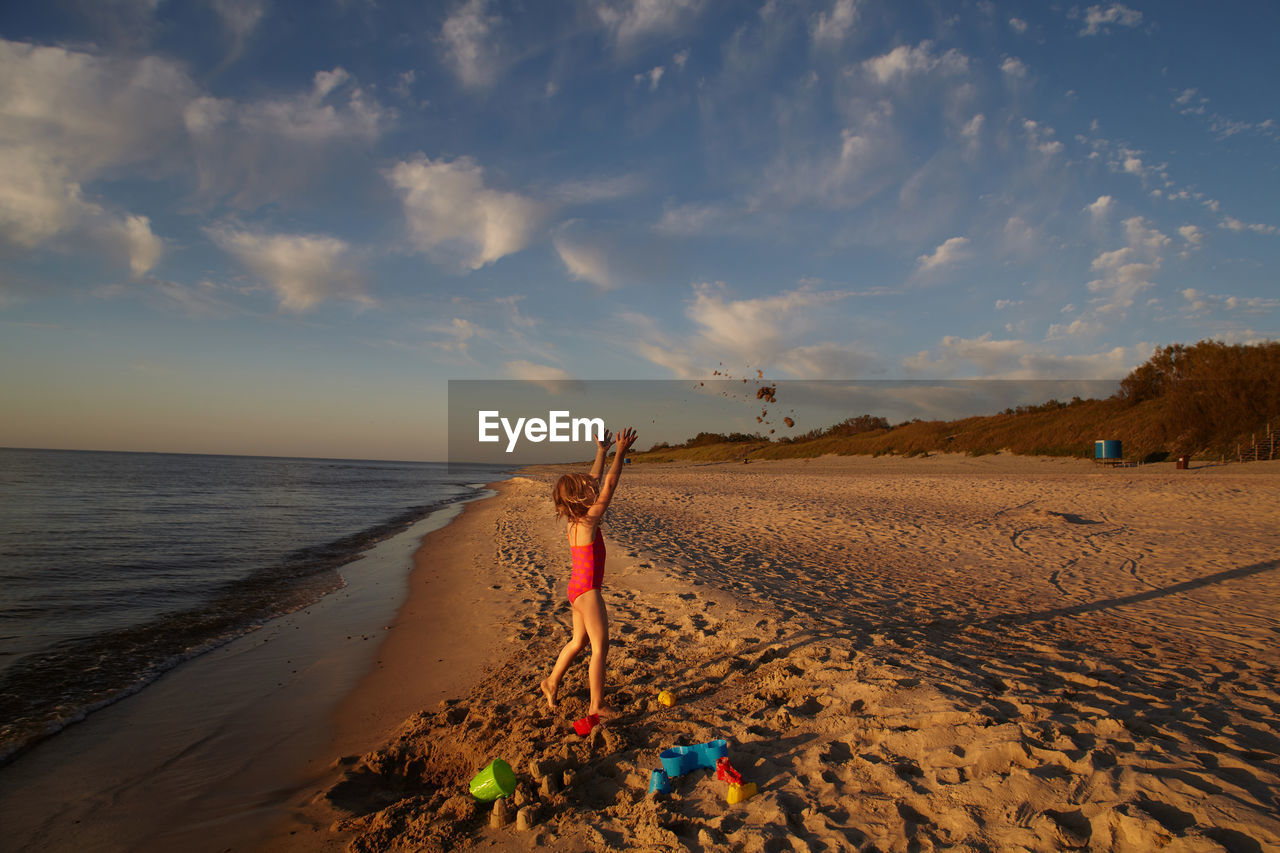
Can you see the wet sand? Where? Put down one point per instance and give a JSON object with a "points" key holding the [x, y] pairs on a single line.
{"points": [[962, 653], [208, 756], [450, 631]]}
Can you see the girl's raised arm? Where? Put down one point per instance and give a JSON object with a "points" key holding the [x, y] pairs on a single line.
{"points": [[602, 450], [626, 438]]}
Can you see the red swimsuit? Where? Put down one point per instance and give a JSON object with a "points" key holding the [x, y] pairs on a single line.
{"points": [[588, 567]]}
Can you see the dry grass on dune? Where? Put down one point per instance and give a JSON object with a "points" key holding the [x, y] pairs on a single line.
{"points": [[1201, 400]]}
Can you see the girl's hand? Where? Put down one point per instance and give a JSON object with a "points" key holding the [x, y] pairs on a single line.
{"points": [[605, 441], [626, 438]]}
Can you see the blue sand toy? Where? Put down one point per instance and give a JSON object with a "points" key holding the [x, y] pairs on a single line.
{"points": [[679, 760], [658, 783]]}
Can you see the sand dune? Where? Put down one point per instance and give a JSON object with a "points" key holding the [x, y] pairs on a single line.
{"points": [[984, 654]]}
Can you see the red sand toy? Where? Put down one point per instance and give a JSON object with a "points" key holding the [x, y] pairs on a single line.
{"points": [[726, 773], [739, 792]]}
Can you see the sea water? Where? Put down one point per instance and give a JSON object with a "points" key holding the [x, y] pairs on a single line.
{"points": [[116, 567]]}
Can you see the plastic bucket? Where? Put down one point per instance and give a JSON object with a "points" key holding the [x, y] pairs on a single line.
{"points": [[679, 760], [493, 782]]}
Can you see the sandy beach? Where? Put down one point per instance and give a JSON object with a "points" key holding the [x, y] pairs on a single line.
{"points": [[984, 653]]}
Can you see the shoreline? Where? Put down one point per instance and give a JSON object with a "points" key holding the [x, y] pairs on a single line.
{"points": [[209, 751], [434, 650]]}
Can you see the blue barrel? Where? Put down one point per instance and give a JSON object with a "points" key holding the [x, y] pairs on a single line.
{"points": [[1107, 450]]}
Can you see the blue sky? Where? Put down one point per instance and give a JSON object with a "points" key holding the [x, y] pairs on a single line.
{"points": [[253, 226]]}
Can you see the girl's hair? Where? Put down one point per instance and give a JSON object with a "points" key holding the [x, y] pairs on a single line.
{"points": [[574, 494]]}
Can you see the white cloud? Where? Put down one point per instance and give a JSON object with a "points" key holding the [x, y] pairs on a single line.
{"points": [[480, 332], [652, 77], [1019, 237], [971, 133], [1101, 207], [826, 361], [534, 372], [1014, 67], [950, 252], [457, 334], [1130, 161], [1193, 235], [595, 190], [832, 26], [990, 356], [751, 331], [142, 247], [202, 299], [239, 18], [404, 84], [302, 269], [631, 20], [1126, 272], [1097, 19], [1002, 304], [304, 119], [585, 263], [1018, 25], [1201, 304], [68, 118], [651, 341], [1114, 363], [450, 212], [1079, 327], [1230, 223], [687, 220], [1017, 359], [905, 61], [857, 152], [756, 333], [868, 159], [1040, 138], [679, 59], [1225, 127], [1190, 102], [255, 152], [466, 37]]}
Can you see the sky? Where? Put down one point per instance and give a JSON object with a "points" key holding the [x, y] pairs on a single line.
{"points": [[281, 228]]}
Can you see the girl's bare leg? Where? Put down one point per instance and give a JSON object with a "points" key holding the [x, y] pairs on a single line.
{"points": [[577, 643], [596, 622]]}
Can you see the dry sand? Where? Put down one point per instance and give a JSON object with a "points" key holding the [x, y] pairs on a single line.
{"points": [[986, 653]]}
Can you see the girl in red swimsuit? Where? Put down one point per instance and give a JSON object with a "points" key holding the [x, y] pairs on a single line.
{"points": [[582, 499]]}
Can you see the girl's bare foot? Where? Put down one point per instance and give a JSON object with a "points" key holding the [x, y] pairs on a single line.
{"points": [[549, 693], [604, 713]]}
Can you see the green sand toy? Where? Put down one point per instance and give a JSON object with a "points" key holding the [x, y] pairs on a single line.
{"points": [[496, 780]]}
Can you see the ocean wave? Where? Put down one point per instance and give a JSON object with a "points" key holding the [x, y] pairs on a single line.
{"points": [[41, 693]]}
